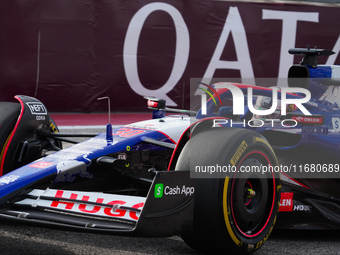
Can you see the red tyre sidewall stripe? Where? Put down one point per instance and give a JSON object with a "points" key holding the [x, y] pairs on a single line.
{"points": [[273, 202]]}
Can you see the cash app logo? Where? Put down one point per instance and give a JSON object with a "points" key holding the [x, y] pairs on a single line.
{"points": [[159, 190]]}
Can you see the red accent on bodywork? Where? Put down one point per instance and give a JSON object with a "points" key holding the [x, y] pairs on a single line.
{"points": [[12, 135], [292, 179], [286, 202], [153, 104]]}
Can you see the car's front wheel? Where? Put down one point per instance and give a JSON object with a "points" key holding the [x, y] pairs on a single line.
{"points": [[237, 212]]}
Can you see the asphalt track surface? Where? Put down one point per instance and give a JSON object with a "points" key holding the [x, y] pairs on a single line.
{"points": [[27, 239]]}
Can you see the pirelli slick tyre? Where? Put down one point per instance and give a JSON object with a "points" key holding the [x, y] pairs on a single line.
{"points": [[234, 212]]}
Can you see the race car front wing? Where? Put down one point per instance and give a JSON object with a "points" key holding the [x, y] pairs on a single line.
{"points": [[165, 211]]}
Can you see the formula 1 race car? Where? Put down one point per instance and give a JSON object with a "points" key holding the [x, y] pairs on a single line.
{"points": [[217, 177]]}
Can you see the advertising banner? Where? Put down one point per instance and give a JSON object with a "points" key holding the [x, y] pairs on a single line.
{"points": [[69, 53]]}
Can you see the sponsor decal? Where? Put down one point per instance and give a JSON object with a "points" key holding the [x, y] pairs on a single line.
{"points": [[302, 208], [161, 190], [8, 179], [308, 120], [336, 123], [238, 153], [37, 108], [41, 164], [122, 156], [99, 204], [286, 202]]}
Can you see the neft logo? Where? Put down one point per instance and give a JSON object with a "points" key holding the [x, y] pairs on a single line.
{"points": [[159, 190], [37, 108], [286, 202]]}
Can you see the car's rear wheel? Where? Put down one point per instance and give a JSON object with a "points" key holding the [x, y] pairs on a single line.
{"points": [[9, 116], [237, 212]]}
